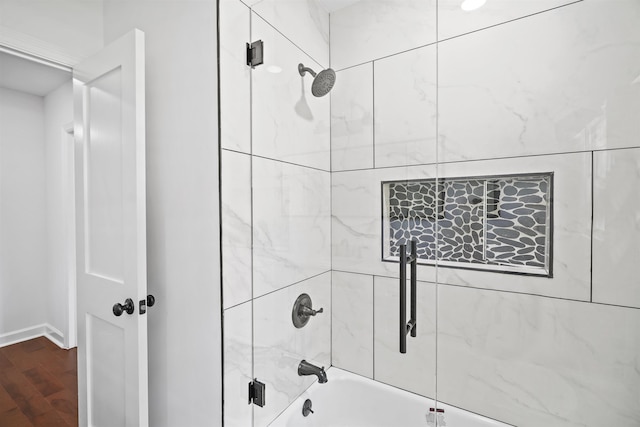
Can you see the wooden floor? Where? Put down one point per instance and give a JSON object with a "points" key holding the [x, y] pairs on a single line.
{"points": [[38, 385]]}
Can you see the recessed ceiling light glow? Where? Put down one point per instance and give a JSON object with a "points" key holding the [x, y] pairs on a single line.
{"points": [[468, 5]]}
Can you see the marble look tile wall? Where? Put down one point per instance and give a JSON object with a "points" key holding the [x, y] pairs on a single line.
{"points": [[534, 361], [291, 224], [357, 224], [522, 87], [616, 227], [238, 365], [365, 332], [356, 233], [352, 323], [374, 29], [288, 122], [352, 119], [571, 226], [561, 81], [236, 228], [416, 369], [279, 346], [405, 108], [519, 90], [305, 23], [453, 21], [235, 96]]}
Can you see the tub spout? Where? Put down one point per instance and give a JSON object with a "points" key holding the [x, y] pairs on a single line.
{"points": [[306, 368]]}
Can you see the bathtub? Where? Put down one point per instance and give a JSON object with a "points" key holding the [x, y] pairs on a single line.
{"points": [[349, 400]]}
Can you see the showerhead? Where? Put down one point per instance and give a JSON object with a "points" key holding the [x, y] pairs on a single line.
{"points": [[322, 82]]}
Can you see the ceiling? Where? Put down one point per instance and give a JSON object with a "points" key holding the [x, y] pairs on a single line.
{"points": [[28, 76]]}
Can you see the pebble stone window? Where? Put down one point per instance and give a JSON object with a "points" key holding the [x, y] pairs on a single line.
{"points": [[496, 223]]}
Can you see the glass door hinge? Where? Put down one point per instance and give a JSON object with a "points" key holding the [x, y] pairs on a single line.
{"points": [[255, 53], [257, 393]]}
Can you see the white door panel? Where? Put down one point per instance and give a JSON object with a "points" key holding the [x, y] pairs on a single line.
{"points": [[111, 234]]}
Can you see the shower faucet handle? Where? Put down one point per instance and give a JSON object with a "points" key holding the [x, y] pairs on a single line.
{"points": [[308, 311], [303, 310]]}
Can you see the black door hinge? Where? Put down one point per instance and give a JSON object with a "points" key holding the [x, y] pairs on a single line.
{"points": [[257, 393], [255, 53]]}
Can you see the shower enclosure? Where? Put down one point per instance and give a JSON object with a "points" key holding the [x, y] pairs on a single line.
{"points": [[503, 140]]}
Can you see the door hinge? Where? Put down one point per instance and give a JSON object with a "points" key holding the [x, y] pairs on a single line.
{"points": [[255, 54], [257, 393]]}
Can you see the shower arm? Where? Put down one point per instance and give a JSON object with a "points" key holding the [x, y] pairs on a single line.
{"points": [[302, 70]]}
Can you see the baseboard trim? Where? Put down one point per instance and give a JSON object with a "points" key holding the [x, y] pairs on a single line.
{"points": [[26, 334], [55, 336]]}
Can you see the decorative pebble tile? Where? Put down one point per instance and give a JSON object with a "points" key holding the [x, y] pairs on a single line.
{"points": [[463, 222]]}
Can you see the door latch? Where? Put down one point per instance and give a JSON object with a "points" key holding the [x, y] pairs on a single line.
{"points": [[144, 303]]}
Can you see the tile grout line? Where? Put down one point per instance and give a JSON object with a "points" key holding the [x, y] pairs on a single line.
{"points": [[458, 36], [437, 301], [489, 159], [291, 285], [285, 37], [591, 231], [373, 327], [289, 163], [498, 290], [373, 111]]}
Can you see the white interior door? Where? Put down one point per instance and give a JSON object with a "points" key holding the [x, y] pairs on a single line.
{"points": [[110, 235]]}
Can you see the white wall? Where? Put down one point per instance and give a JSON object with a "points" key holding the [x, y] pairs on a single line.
{"points": [[182, 178], [58, 109], [65, 31], [182, 205], [22, 211]]}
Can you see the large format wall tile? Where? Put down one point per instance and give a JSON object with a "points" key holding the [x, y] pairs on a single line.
{"points": [[616, 227], [305, 23], [352, 324], [236, 228], [453, 21], [352, 119], [374, 29], [405, 97], [357, 224], [235, 96], [292, 225], [416, 369], [356, 200], [534, 361], [238, 367], [279, 346], [571, 226], [560, 81], [288, 122]]}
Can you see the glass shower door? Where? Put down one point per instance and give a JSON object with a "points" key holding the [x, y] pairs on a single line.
{"points": [[291, 203], [556, 349]]}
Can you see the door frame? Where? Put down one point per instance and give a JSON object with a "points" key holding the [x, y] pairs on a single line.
{"points": [[69, 191], [69, 339]]}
